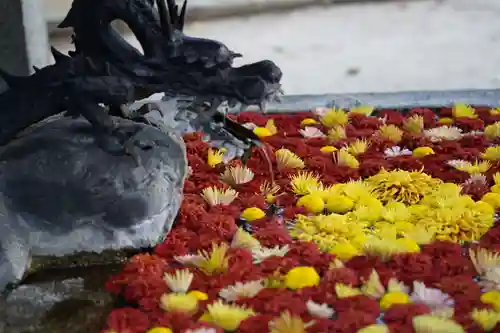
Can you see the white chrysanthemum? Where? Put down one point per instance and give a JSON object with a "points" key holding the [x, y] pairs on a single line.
{"points": [[320, 111], [456, 163], [440, 133], [188, 259], [476, 179], [396, 151], [241, 290], [201, 330], [311, 132], [319, 310], [189, 172], [250, 126], [180, 281], [237, 175], [490, 280], [215, 196], [432, 297], [261, 254]]}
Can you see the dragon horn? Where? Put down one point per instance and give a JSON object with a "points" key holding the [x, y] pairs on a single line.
{"points": [[182, 16], [166, 24], [58, 55]]}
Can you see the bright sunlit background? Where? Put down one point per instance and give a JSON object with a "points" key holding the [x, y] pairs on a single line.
{"points": [[389, 46]]}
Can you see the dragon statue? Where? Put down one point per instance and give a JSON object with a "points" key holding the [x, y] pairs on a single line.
{"points": [[106, 73], [97, 82]]}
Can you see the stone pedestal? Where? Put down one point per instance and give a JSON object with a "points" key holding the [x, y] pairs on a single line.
{"points": [[23, 36]]}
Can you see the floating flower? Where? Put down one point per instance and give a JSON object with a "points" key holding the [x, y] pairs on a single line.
{"points": [[319, 310], [308, 122], [285, 159], [433, 324], [422, 151], [472, 168], [460, 110], [491, 153], [344, 158], [215, 196], [403, 186], [304, 183], [301, 277], [179, 281], [269, 190], [443, 133], [287, 323], [373, 287], [215, 261], [364, 110], [434, 298], [179, 303], [313, 203], [396, 151], [486, 319], [252, 214], [484, 260], [334, 117], [241, 290], [492, 131], [390, 132], [328, 149], [394, 297], [337, 133], [358, 147], [344, 291], [414, 124], [227, 317], [374, 328], [262, 253], [215, 157], [244, 240], [234, 176], [311, 132], [159, 330]]}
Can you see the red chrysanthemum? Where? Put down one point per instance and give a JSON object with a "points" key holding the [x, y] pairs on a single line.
{"points": [[402, 314], [128, 320], [259, 323]]}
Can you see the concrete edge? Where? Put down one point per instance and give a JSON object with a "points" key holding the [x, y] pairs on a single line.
{"points": [[207, 13], [396, 100]]}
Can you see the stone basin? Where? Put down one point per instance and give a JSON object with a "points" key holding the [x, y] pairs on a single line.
{"points": [[56, 300]]}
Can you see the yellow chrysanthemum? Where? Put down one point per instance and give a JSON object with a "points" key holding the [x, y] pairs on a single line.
{"points": [[313, 203], [492, 131], [492, 297], [268, 130], [344, 291], [286, 159], [446, 121], [422, 151], [373, 287], [403, 186], [364, 110], [390, 132], [473, 168], [485, 318], [287, 323], [434, 324], [344, 158], [358, 147], [336, 133], [328, 149], [215, 157], [227, 317], [414, 124], [215, 261], [159, 330], [301, 277], [392, 298], [252, 214], [308, 122], [345, 251], [269, 190], [304, 183], [334, 117], [374, 328], [179, 303], [244, 240], [339, 203], [491, 153], [461, 110]]}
